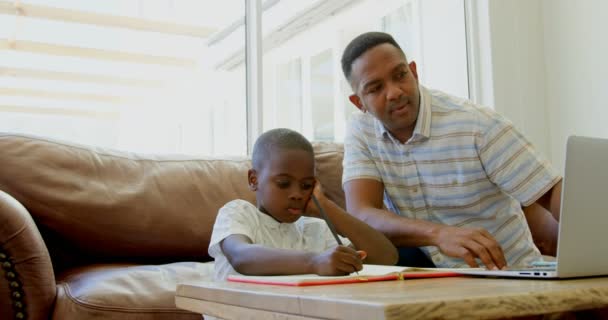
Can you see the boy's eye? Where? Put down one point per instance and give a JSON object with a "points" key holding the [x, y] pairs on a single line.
{"points": [[283, 184], [307, 186]]}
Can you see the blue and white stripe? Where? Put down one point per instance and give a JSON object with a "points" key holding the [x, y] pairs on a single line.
{"points": [[465, 165]]}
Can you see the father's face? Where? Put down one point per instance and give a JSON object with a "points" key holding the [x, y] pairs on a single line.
{"points": [[386, 86]]}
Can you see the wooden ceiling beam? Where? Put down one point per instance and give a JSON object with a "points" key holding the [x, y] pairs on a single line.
{"points": [[109, 115], [112, 55], [43, 94], [77, 77], [106, 20]]}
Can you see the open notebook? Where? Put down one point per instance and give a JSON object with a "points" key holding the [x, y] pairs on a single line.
{"points": [[369, 273]]}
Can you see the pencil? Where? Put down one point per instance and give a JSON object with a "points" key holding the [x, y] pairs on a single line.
{"points": [[326, 218], [329, 223]]}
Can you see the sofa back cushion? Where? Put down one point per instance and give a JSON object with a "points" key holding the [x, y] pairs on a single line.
{"points": [[103, 205]]}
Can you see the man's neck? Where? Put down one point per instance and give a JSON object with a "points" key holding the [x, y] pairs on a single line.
{"points": [[403, 135]]}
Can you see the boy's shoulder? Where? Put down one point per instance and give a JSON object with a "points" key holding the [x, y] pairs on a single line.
{"points": [[239, 204], [238, 207]]}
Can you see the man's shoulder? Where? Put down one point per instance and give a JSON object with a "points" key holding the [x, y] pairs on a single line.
{"points": [[360, 118], [461, 108], [362, 124], [444, 102]]}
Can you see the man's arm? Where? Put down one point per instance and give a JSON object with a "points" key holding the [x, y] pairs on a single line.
{"points": [[543, 219], [552, 200], [364, 200]]}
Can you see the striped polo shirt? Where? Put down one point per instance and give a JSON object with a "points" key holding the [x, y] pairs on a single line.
{"points": [[464, 165]]}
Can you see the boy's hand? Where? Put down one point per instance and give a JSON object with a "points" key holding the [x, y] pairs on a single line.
{"points": [[311, 209], [337, 261]]}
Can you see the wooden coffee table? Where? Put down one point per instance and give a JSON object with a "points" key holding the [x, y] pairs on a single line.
{"points": [[445, 298]]}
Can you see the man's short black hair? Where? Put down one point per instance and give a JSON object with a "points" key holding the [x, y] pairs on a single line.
{"points": [[278, 139], [360, 45]]}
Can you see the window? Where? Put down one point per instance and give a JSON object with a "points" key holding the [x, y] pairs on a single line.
{"points": [[166, 76], [321, 96], [431, 32], [133, 75], [288, 106]]}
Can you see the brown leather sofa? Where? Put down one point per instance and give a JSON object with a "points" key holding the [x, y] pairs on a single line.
{"points": [[90, 233]]}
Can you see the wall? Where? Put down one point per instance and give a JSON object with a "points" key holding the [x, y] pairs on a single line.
{"points": [[576, 75], [548, 70], [516, 33]]}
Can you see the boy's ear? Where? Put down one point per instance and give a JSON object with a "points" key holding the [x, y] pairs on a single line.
{"points": [[252, 178]]}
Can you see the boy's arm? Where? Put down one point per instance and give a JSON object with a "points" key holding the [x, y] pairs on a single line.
{"points": [[254, 259], [378, 249], [364, 200]]}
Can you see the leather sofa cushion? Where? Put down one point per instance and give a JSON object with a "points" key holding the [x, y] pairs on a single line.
{"points": [[118, 291], [103, 205], [120, 206]]}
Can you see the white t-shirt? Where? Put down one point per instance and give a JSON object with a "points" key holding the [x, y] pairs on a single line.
{"points": [[241, 217]]}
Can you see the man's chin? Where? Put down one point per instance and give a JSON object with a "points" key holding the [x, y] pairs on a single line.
{"points": [[403, 121]]}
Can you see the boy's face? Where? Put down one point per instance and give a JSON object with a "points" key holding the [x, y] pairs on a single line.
{"points": [[284, 184]]}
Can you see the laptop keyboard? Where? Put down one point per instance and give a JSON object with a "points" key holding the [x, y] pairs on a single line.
{"points": [[535, 266]]}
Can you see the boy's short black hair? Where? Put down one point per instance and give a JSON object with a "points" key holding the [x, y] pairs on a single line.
{"points": [[360, 45], [281, 139]]}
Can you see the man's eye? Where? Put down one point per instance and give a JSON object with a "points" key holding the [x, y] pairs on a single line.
{"points": [[401, 75]]}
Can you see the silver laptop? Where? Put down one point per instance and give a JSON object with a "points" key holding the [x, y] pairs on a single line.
{"points": [[583, 227]]}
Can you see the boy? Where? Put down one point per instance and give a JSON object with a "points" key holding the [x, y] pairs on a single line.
{"points": [[276, 238]]}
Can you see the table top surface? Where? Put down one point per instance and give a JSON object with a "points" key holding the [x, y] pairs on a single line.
{"points": [[415, 299]]}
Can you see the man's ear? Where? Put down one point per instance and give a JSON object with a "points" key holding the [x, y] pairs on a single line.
{"points": [[252, 178], [413, 69], [354, 99]]}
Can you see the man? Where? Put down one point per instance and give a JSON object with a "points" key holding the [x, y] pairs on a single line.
{"points": [[434, 171]]}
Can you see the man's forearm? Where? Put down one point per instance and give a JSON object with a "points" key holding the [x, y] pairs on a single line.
{"points": [[400, 230], [459, 242], [552, 200], [544, 228]]}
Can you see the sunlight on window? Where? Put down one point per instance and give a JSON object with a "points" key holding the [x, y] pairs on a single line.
{"points": [[164, 76], [315, 34], [131, 75]]}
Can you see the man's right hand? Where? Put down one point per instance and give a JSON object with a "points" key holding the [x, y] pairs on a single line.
{"points": [[470, 243]]}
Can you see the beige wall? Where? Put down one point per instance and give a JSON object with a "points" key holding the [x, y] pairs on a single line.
{"points": [[576, 50], [516, 33], [549, 73]]}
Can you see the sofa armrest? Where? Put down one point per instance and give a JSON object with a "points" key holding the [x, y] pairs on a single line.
{"points": [[27, 282]]}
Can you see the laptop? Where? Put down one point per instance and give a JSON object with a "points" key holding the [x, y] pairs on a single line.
{"points": [[583, 227]]}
